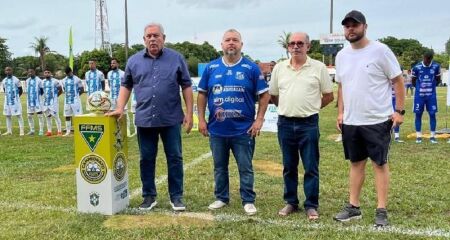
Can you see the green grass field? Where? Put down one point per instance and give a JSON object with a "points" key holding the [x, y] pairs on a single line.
{"points": [[38, 192]]}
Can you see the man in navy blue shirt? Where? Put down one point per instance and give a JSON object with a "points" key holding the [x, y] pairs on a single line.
{"points": [[230, 86], [156, 75]]}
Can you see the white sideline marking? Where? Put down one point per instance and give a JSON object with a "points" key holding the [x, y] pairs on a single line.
{"points": [[426, 232], [163, 178]]}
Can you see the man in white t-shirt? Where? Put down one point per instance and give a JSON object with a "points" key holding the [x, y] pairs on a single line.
{"points": [[366, 71]]}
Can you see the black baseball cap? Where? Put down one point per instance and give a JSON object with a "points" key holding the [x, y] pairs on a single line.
{"points": [[354, 15]]}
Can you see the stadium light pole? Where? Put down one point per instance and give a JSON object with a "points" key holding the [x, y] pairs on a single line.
{"points": [[126, 32], [331, 17]]}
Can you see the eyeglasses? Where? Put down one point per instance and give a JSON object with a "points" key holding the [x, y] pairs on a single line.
{"points": [[299, 44]]}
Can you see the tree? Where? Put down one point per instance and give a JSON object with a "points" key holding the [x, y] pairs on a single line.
{"points": [[40, 46], [82, 62], [408, 51], [195, 54], [447, 47], [5, 56], [22, 64], [283, 40]]}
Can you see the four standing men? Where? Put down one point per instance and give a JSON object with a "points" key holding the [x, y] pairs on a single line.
{"points": [[231, 86], [365, 72], [300, 87]]}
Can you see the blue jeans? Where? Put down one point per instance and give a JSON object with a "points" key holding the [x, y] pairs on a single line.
{"points": [[243, 147], [148, 146], [300, 135]]}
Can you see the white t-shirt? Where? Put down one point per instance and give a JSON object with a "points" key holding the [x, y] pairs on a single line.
{"points": [[365, 75]]}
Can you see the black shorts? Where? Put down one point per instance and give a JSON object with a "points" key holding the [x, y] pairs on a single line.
{"points": [[373, 141]]}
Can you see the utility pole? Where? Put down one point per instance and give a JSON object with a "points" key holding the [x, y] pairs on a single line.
{"points": [[126, 32]]}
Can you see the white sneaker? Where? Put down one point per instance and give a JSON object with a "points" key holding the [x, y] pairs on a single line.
{"points": [[7, 133], [67, 134], [216, 205], [21, 133], [250, 209], [339, 138]]}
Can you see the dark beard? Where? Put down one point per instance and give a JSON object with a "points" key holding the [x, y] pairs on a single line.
{"points": [[358, 37]]}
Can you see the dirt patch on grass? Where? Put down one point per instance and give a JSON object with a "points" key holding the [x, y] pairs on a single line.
{"points": [[269, 168], [65, 169], [158, 220], [332, 137]]}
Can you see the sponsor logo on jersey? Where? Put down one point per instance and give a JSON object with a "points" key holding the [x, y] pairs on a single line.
{"points": [[213, 66], [120, 166], [233, 89], [240, 76], [93, 168], [218, 101], [245, 65], [91, 133], [222, 114], [218, 76], [217, 89], [94, 198]]}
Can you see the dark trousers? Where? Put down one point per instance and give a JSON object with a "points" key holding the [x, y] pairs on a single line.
{"points": [[299, 137], [148, 146]]}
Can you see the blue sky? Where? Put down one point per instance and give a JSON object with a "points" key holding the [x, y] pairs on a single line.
{"points": [[260, 22]]}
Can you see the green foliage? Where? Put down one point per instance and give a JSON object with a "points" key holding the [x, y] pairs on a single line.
{"points": [[102, 57], [40, 47], [283, 40], [195, 54], [22, 64], [447, 47], [118, 51], [5, 56], [442, 59], [408, 51]]}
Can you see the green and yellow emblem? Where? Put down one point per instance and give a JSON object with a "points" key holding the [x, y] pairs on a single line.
{"points": [[91, 133]]}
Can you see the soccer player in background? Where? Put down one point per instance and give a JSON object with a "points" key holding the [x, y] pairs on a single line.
{"points": [[12, 106], [52, 89], [73, 88], [114, 78], [95, 80], [34, 103], [425, 77]]}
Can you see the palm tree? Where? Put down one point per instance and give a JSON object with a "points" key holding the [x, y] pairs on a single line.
{"points": [[40, 46], [283, 40]]}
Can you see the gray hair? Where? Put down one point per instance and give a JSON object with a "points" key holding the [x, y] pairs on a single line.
{"points": [[306, 36], [154, 24], [233, 31]]}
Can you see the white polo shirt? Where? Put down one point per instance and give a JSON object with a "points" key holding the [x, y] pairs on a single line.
{"points": [[300, 91]]}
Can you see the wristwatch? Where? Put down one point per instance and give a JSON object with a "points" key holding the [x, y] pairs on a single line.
{"points": [[401, 112]]}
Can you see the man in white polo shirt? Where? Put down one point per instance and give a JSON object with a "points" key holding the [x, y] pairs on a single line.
{"points": [[300, 87], [366, 72]]}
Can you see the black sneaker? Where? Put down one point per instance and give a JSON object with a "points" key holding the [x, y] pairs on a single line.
{"points": [[148, 203], [177, 205], [381, 219], [348, 213]]}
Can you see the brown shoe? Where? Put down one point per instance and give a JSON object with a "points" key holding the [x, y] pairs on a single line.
{"points": [[288, 209], [312, 214]]}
